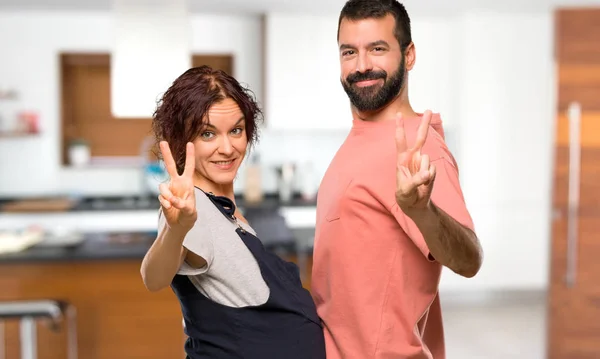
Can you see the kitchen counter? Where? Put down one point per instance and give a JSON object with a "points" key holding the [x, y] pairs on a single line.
{"points": [[113, 246], [94, 247], [128, 214], [117, 317], [144, 203], [133, 203]]}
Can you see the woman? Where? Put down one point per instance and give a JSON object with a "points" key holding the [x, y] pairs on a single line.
{"points": [[237, 300]]}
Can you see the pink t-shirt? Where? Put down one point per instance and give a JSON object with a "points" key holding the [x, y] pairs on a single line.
{"points": [[374, 284]]}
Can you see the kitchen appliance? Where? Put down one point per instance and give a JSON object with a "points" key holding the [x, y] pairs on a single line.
{"points": [[286, 175], [253, 182], [308, 182]]}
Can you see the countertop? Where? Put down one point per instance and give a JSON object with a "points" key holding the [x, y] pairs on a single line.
{"points": [[133, 203], [95, 246], [105, 239], [117, 246]]}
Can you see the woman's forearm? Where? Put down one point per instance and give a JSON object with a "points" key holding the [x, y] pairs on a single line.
{"points": [[164, 258]]}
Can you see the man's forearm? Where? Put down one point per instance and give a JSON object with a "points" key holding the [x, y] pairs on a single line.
{"points": [[449, 242]]}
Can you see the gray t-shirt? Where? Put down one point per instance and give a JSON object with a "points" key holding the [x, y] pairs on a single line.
{"points": [[231, 276]]}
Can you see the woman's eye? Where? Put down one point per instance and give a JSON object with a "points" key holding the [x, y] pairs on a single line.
{"points": [[206, 135], [237, 131]]}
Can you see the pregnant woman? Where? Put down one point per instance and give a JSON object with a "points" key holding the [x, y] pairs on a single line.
{"points": [[238, 300]]}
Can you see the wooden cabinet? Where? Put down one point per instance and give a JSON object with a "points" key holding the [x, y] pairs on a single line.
{"points": [[86, 112], [573, 296], [117, 318]]}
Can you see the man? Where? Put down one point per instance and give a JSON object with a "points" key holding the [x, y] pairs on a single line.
{"points": [[390, 211]]}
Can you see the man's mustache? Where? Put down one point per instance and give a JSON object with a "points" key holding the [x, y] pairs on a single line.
{"points": [[364, 76]]}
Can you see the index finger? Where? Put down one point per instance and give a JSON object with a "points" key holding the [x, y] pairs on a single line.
{"points": [[190, 160], [422, 131], [168, 159], [400, 135]]}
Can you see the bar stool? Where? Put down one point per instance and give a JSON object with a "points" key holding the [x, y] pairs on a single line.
{"points": [[28, 312]]}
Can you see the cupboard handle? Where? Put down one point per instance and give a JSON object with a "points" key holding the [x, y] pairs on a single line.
{"points": [[574, 115]]}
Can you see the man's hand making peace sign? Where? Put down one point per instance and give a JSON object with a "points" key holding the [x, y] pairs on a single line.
{"points": [[449, 242], [414, 173], [177, 198]]}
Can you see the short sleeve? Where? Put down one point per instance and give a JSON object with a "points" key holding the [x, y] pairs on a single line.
{"points": [[446, 195], [198, 240]]}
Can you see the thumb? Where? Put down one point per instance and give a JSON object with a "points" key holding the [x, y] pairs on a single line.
{"points": [[178, 203], [165, 203], [185, 206], [429, 184], [188, 209], [406, 181], [432, 174]]}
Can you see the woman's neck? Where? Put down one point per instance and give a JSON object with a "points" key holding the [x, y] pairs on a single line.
{"points": [[224, 190]]}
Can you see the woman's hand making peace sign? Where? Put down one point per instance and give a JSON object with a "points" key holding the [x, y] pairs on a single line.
{"points": [[177, 198], [414, 174]]}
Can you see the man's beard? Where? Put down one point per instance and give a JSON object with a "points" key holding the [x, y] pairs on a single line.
{"points": [[374, 97]]}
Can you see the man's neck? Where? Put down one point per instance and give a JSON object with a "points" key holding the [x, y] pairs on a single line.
{"points": [[400, 104]]}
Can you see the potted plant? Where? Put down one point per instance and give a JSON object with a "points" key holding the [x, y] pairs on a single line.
{"points": [[79, 152]]}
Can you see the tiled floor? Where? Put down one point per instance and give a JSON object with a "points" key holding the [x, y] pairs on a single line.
{"points": [[510, 327]]}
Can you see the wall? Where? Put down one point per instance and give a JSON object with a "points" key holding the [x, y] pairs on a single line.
{"points": [[29, 63], [491, 75], [507, 110]]}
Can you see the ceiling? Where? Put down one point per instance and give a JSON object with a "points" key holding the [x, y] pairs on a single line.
{"points": [[422, 7]]}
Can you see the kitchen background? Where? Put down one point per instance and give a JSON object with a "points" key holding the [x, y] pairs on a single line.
{"points": [[71, 175]]}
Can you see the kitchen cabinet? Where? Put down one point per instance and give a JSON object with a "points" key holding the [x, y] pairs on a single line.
{"points": [[87, 118], [116, 316], [302, 86]]}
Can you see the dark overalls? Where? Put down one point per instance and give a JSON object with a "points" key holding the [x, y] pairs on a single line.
{"points": [[285, 327]]}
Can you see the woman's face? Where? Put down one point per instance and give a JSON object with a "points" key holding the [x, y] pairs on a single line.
{"points": [[221, 146]]}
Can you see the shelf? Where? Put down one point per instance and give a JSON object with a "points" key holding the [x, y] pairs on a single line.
{"points": [[14, 134], [8, 95]]}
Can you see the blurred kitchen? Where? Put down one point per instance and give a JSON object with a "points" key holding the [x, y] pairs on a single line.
{"points": [[78, 179]]}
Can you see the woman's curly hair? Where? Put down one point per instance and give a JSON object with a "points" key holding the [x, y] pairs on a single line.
{"points": [[181, 114]]}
